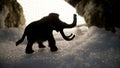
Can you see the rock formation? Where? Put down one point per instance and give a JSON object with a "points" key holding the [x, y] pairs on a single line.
{"points": [[11, 14], [100, 13]]}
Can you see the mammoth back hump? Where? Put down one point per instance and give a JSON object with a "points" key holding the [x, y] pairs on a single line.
{"points": [[38, 27]]}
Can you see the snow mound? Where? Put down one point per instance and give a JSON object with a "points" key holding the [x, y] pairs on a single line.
{"points": [[92, 48]]}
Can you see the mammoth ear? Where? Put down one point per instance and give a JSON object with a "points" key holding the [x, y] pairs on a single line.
{"points": [[52, 26]]}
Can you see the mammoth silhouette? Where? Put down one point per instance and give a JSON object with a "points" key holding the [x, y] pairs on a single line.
{"points": [[41, 30]]}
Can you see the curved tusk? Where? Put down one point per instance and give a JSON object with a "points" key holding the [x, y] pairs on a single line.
{"points": [[68, 38], [71, 37]]}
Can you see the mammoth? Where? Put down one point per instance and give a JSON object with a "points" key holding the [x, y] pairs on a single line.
{"points": [[41, 30]]}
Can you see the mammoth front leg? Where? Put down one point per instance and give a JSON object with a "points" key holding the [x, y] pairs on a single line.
{"points": [[52, 43]]}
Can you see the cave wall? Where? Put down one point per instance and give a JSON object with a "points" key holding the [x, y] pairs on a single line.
{"points": [[100, 13], [11, 14]]}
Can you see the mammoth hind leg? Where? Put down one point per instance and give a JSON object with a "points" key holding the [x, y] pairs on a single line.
{"points": [[40, 44], [29, 47]]}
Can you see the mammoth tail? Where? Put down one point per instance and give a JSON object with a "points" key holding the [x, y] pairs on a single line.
{"points": [[21, 40]]}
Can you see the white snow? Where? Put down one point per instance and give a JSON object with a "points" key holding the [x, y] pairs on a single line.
{"points": [[92, 48]]}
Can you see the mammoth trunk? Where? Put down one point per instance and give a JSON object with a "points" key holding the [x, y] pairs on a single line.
{"points": [[73, 24], [68, 38]]}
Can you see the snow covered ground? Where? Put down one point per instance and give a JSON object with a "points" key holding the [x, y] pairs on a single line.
{"points": [[92, 48]]}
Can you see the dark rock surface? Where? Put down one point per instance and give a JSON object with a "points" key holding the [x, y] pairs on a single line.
{"points": [[11, 14], [100, 13]]}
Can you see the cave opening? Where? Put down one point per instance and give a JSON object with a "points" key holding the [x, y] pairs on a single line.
{"points": [[36, 9]]}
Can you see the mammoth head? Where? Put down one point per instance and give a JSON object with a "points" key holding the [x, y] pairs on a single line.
{"points": [[59, 25]]}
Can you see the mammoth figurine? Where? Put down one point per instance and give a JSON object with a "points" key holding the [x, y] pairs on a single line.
{"points": [[41, 30]]}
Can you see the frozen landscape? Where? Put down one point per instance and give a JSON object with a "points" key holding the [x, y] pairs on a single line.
{"points": [[91, 48]]}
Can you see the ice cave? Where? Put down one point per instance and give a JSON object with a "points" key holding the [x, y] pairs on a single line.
{"points": [[97, 34]]}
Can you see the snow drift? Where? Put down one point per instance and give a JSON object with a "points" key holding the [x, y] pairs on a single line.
{"points": [[92, 48]]}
